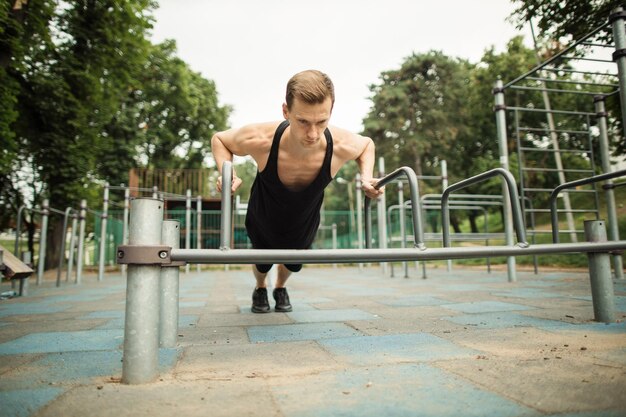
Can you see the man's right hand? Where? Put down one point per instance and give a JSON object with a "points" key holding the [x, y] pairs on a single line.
{"points": [[234, 184]]}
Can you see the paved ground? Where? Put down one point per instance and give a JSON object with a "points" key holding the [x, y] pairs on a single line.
{"points": [[465, 343]]}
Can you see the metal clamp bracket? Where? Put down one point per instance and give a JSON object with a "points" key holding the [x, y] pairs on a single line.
{"points": [[144, 255]]}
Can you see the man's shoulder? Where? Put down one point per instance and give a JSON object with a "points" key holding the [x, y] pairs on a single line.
{"points": [[260, 130]]}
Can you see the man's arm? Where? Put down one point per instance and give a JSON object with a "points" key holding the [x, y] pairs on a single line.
{"points": [[223, 146], [365, 162]]}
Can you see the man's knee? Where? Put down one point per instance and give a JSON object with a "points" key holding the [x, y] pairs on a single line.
{"points": [[294, 267], [263, 268]]}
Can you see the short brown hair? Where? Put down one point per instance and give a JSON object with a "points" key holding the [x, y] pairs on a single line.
{"points": [[310, 86]]}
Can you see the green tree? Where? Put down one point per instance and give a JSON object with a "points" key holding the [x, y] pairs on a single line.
{"points": [[567, 18]]}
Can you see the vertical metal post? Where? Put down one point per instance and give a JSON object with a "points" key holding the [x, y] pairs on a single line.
{"points": [[70, 258], [169, 288], [619, 56], [359, 214], [500, 110], [600, 274], [81, 241], [611, 209], [405, 265], [198, 226], [334, 234], [382, 215], [43, 236], [103, 231], [226, 209], [27, 258], [141, 330], [63, 239], [125, 224], [18, 230], [187, 225], [155, 191]]}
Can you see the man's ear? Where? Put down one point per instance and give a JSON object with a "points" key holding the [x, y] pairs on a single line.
{"points": [[285, 111]]}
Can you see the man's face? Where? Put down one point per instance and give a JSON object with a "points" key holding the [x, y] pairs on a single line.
{"points": [[308, 121]]}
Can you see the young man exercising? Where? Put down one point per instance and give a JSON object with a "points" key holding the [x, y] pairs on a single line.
{"points": [[296, 159]]}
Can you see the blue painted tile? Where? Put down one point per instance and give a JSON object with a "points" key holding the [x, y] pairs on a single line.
{"points": [[317, 316], [25, 402], [294, 332], [104, 315], [531, 293], [414, 300], [64, 342], [498, 320], [15, 309], [486, 307], [119, 323], [601, 413], [370, 350], [69, 298], [400, 390]]}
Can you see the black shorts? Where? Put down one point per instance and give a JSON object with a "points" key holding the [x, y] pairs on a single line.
{"points": [[264, 268]]}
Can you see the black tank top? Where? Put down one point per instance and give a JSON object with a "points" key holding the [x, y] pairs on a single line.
{"points": [[278, 218]]}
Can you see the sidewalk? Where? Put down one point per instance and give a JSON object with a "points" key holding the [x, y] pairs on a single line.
{"points": [[465, 343]]}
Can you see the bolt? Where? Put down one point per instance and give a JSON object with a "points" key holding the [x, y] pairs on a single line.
{"points": [[120, 254], [163, 254]]}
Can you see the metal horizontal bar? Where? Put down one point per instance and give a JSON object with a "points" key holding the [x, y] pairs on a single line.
{"points": [[574, 113], [525, 148], [561, 211], [539, 129], [571, 82], [573, 71], [324, 256], [550, 190], [578, 58], [558, 170], [554, 90]]}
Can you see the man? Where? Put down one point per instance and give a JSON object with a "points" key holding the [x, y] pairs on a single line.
{"points": [[296, 159]]}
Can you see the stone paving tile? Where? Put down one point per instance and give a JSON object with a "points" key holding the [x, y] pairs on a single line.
{"points": [[64, 342], [486, 307], [315, 316], [391, 390], [372, 350], [24, 402], [301, 331]]}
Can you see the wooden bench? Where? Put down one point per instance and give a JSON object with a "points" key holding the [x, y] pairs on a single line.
{"points": [[12, 268]]}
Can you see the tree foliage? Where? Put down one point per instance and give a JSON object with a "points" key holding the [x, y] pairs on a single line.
{"points": [[86, 96], [567, 19]]}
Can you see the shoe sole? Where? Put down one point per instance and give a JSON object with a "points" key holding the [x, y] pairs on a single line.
{"points": [[283, 310], [260, 311]]}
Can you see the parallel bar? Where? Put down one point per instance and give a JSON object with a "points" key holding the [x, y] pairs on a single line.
{"points": [[326, 256], [169, 289], [226, 212], [602, 292], [571, 184]]}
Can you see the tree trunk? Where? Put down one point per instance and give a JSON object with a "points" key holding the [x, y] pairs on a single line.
{"points": [[454, 221], [53, 242], [472, 219]]}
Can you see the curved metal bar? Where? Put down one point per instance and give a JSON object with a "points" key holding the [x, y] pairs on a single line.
{"points": [[518, 221], [553, 206], [226, 212], [418, 233]]}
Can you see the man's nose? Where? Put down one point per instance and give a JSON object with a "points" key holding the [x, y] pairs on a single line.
{"points": [[313, 132]]}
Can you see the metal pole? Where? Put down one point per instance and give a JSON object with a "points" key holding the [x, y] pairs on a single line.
{"points": [[382, 218], [27, 259], [81, 241], [125, 223], [103, 231], [402, 225], [187, 225], [334, 234], [141, 330], [43, 236], [619, 56], [63, 239], [359, 215], [169, 288], [600, 274], [611, 209], [444, 184], [70, 258], [500, 110], [226, 212], [198, 226]]}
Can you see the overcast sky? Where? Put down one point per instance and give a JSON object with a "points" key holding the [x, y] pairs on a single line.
{"points": [[250, 48]]}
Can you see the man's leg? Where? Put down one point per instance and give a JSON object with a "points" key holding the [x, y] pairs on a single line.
{"points": [[280, 292], [260, 303]]}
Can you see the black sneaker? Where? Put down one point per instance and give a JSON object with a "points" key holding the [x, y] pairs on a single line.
{"points": [[260, 303], [282, 300]]}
